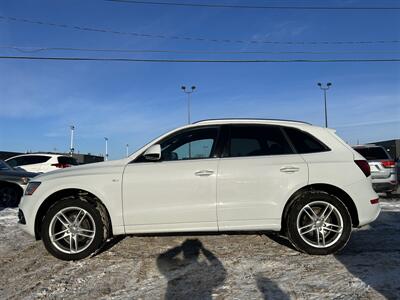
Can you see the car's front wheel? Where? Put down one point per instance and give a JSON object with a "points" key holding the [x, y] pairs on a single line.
{"points": [[73, 229], [319, 223]]}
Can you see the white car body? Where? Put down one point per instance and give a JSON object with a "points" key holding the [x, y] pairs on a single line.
{"points": [[212, 194], [37, 162]]}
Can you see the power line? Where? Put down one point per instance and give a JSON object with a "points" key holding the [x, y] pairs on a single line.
{"points": [[201, 60], [167, 51], [198, 39], [215, 5]]}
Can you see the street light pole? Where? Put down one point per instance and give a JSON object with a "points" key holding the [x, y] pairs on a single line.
{"points": [[325, 88], [189, 98], [127, 150], [71, 147], [106, 156]]}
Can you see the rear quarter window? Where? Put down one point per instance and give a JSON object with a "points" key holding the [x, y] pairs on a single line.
{"points": [[304, 142]]}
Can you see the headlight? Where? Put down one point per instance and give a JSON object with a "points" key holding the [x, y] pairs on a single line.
{"points": [[31, 188]]}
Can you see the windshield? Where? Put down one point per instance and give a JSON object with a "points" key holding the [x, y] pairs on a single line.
{"points": [[4, 166], [373, 153]]}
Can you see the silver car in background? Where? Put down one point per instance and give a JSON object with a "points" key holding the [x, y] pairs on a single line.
{"points": [[383, 167]]}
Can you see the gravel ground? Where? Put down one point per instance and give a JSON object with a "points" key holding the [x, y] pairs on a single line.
{"points": [[234, 266]]}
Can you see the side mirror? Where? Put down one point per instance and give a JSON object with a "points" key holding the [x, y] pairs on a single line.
{"points": [[153, 153]]}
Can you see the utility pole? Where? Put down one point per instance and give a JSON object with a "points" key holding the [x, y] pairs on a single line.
{"points": [[325, 88], [127, 150], [106, 156], [71, 148], [188, 93]]}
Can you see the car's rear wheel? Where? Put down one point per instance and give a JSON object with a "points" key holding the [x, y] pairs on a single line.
{"points": [[319, 223], [73, 229]]}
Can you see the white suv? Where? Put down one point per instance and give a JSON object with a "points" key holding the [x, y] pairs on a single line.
{"points": [[41, 162], [213, 175]]}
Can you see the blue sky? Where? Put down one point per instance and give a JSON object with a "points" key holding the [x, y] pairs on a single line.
{"points": [[134, 102]]}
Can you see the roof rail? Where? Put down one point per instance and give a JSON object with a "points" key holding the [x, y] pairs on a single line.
{"points": [[255, 119]]}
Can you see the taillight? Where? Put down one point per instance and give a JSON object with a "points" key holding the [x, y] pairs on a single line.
{"points": [[61, 166], [388, 163], [364, 166]]}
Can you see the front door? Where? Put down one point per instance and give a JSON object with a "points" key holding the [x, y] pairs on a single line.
{"points": [[177, 193]]}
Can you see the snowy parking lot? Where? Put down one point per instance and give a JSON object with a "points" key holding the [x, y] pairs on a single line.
{"points": [[228, 266]]}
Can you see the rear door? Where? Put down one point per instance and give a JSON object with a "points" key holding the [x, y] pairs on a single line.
{"points": [[257, 174]]}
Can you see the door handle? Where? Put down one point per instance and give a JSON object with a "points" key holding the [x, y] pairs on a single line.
{"points": [[289, 169], [204, 173]]}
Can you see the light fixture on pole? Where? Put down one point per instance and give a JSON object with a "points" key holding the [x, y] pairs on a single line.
{"points": [[188, 92], [71, 147], [325, 88], [106, 155], [127, 150]]}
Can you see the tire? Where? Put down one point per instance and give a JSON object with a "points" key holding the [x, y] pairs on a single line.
{"points": [[9, 196], [325, 229], [73, 241]]}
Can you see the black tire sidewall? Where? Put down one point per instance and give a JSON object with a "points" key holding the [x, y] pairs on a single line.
{"points": [[306, 198], [91, 209]]}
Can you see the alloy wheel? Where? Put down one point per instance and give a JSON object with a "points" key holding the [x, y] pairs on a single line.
{"points": [[320, 224], [72, 230]]}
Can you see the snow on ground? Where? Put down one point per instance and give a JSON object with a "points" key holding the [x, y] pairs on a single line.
{"points": [[234, 266]]}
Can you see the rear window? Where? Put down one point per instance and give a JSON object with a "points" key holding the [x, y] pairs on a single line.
{"points": [[373, 153], [304, 142], [66, 160]]}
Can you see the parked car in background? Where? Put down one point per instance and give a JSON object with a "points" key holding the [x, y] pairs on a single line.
{"points": [[213, 175], [383, 167], [12, 184], [41, 163]]}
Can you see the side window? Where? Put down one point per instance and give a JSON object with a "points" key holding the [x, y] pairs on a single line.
{"points": [[192, 144], [250, 140], [304, 142], [35, 159]]}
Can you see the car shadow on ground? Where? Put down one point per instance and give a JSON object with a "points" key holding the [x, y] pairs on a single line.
{"points": [[269, 289], [194, 272], [110, 243], [373, 255]]}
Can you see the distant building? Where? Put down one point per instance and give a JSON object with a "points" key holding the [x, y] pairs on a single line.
{"points": [[80, 158], [391, 146]]}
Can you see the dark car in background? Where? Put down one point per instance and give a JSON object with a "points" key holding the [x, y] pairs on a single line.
{"points": [[383, 167], [12, 183]]}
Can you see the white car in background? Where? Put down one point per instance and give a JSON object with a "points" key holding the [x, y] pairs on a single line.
{"points": [[41, 162], [214, 175], [383, 167]]}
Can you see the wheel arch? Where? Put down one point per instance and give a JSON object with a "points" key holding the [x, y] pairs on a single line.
{"points": [[56, 196], [331, 189]]}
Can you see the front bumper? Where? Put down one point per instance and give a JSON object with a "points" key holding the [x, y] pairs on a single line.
{"points": [[26, 215]]}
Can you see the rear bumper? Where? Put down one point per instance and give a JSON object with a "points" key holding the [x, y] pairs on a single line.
{"points": [[362, 193]]}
